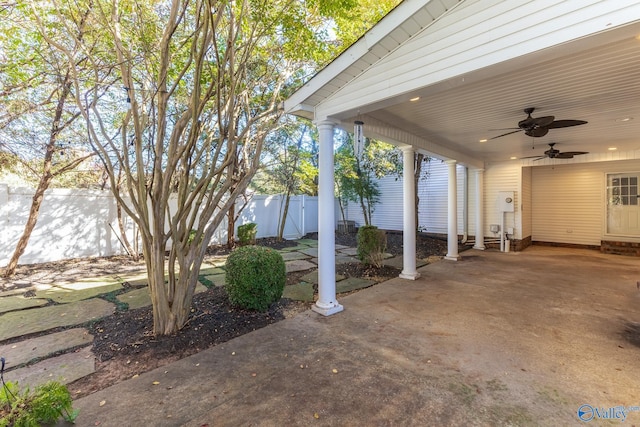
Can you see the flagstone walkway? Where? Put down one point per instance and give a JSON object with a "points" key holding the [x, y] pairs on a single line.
{"points": [[66, 356]]}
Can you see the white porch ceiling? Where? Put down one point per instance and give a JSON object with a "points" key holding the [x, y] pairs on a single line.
{"points": [[599, 84], [594, 77]]}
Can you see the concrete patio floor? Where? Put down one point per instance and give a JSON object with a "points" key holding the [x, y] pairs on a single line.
{"points": [[537, 337]]}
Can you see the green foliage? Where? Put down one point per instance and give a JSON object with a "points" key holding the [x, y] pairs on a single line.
{"points": [[372, 243], [247, 233], [45, 405], [356, 178], [255, 277]]}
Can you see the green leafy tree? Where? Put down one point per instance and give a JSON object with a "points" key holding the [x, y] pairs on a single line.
{"points": [[356, 178], [203, 80], [39, 124]]}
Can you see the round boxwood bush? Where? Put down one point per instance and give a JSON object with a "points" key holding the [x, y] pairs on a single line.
{"points": [[255, 277]]}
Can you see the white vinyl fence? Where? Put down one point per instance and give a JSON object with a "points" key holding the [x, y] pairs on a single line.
{"points": [[83, 223]]}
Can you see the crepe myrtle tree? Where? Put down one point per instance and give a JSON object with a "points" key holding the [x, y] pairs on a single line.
{"points": [[203, 81]]}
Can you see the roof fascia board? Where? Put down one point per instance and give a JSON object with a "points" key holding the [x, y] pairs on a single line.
{"points": [[401, 13]]}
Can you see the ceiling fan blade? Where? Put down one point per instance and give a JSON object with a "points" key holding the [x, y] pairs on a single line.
{"points": [[575, 153], [565, 123], [540, 158], [563, 156], [537, 132], [505, 134], [533, 157]]}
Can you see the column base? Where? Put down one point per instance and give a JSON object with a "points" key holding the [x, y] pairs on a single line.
{"points": [[480, 248], [409, 276], [453, 257], [329, 310]]}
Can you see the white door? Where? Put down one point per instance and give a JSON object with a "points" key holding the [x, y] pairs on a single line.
{"points": [[623, 204]]}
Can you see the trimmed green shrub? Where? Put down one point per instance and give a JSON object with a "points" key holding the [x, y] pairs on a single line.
{"points": [[372, 242], [255, 277], [45, 405], [247, 233]]}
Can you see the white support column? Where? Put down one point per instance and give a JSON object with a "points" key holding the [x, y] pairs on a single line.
{"points": [[479, 210], [408, 215], [327, 303], [452, 213]]}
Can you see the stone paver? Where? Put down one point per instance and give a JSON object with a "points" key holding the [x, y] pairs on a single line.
{"points": [[398, 262], [216, 279], [313, 277], [18, 302], [353, 283], [65, 368], [292, 256], [211, 271], [349, 251], [342, 259], [299, 292], [294, 248], [17, 323], [24, 351], [298, 265], [308, 242], [340, 247], [313, 252], [78, 291], [139, 298]]}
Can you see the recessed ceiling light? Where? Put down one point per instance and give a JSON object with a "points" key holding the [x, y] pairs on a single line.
{"points": [[414, 99], [483, 140], [624, 119], [612, 148], [513, 158]]}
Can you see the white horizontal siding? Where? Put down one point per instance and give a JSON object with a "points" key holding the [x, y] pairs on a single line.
{"points": [[568, 201], [498, 177]]}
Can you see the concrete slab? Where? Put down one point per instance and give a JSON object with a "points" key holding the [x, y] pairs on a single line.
{"points": [[18, 302], [298, 265], [78, 291], [313, 277], [312, 252], [398, 262], [299, 292], [494, 339], [65, 368], [292, 256], [17, 323], [352, 284], [139, 298], [34, 348]]}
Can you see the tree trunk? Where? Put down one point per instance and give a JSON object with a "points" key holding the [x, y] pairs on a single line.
{"points": [[43, 185], [284, 215], [133, 253], [231, 226]]}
